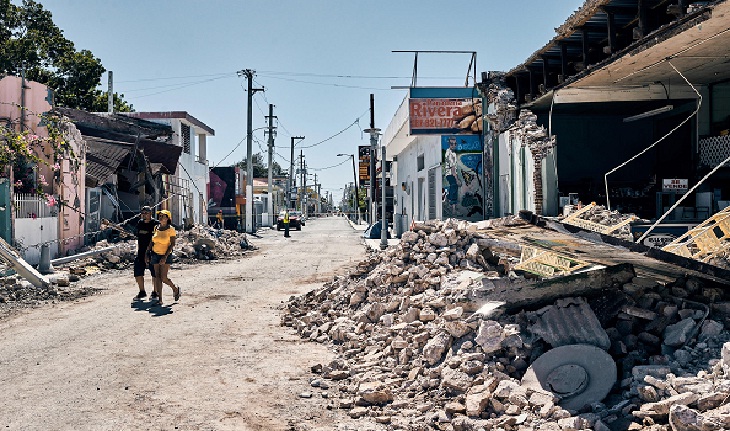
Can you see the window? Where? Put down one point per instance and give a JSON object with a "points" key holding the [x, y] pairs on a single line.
{"points": [[185, 138], [421, 163]]}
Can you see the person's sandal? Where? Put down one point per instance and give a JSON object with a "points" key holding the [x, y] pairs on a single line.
{"points": [[177, 293]]}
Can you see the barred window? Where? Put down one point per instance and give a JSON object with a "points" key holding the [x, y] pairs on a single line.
{"points": [[185, 137]]}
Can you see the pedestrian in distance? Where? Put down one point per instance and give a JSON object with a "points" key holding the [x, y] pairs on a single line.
{"points": [[145, 228], [161, 245], [219, 219], [286, 223]]}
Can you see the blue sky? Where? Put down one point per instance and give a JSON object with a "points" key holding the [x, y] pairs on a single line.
{"points": [[184, 54]]}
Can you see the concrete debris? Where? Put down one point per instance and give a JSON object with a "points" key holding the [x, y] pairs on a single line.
{"points": [[445, 335], [199, 243], [599, 219]]}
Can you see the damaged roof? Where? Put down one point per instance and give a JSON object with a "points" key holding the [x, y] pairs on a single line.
{"points": [[629, 43], [180, 115], [112, 138]]}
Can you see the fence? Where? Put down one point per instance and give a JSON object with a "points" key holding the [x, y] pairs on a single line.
{"points": [[33, 206]]}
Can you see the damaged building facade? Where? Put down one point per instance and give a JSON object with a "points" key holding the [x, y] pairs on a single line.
{"points": [[629, 108], [188, 184], [601, 113]]}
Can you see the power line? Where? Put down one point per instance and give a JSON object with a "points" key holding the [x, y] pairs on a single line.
{"points": [[181, 87], [357, 121], [328, 84]]}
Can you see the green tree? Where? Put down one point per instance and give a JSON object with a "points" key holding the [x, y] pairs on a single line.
{"points": [[30, 41], [260, 168]]}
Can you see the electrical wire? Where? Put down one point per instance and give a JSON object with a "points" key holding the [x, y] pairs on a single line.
{"points": [[181, 87], [699, 104], [175, 77], [357, 121], [329, 84]]}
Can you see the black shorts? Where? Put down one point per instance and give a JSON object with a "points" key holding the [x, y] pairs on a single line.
{"points": [[139, 267], [156, 259]]}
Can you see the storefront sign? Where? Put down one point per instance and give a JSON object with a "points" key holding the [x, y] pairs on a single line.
{"points": [[442, 115], [364, 165], [658, 240], [675, 185]]}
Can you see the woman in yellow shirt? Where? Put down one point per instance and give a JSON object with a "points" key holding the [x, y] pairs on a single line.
{"points": [[160, 256]]}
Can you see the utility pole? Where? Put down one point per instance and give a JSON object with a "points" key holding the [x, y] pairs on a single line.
{"points": [[110, 93], [373, 153], [301, 181], [248, 73], [304, 189], [290, 182], [270, 200]]}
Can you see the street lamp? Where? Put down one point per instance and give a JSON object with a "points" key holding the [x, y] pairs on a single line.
{"points": [[357, 194]]}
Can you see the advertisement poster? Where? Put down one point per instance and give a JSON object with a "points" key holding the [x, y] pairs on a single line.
{"points": [[462, 168], [440, 115], [364, 164]]}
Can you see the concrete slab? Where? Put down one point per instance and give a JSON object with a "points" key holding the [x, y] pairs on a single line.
{"points": [[578, 375]]}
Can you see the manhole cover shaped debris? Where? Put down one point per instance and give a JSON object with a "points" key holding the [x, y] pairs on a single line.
{"points": [[578, 375]]}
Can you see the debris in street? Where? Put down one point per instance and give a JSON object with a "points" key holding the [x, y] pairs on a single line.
{"points": [[199, 243], [442, 332]]}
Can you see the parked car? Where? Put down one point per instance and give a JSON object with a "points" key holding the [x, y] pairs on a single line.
{"points": [[294, 221]]}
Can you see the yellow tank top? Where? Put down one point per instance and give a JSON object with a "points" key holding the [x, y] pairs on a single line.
{"points": [[161, 240]]}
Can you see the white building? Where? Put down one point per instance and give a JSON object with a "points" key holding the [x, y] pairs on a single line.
{"points": [[415, 141], [188, 187]]}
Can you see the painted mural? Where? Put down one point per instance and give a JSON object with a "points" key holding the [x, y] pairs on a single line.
{"points": [[462, 168]]}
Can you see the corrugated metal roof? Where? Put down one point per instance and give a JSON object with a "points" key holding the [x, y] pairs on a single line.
{"points": [[569, 321], [103, 158]]}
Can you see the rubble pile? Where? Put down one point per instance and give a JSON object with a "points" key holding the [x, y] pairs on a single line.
{"points": [[440, 333], [17, 292], [600, 215], [199, 243], [203, 243]]}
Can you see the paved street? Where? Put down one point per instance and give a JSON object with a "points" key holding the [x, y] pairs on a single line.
{"points": [[216, 360]]}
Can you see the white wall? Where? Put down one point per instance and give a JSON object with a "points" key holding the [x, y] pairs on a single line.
{"points": [[407, 171], [30, 231], [197, 176]]}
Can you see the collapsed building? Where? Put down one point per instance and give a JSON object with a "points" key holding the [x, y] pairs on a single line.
{"points": [[502, 325], [601, 113]]}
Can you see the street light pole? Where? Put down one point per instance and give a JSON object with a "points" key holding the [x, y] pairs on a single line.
{"points": [[357, 194]]}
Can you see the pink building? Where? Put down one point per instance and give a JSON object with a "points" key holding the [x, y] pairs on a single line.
{"points": [[24, 107]]}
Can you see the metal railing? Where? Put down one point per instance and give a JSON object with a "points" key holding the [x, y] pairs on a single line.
{"points": [[33, 206]]}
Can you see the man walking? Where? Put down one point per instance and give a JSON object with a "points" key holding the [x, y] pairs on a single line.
{"points": [[145, 229], [286, 223]]}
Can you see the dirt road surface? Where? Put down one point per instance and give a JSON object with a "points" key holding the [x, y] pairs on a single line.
{"points": [[215, 360]]}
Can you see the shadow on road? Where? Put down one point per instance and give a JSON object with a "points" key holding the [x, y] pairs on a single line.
{"points": [[154, 310]]}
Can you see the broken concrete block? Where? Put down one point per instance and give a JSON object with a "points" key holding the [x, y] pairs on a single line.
{"points": [[435, 348], [490, 336], [678, 334], [661, 408]]}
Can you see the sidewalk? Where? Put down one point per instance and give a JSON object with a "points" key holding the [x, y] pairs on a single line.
{"points": [[373, 244]]}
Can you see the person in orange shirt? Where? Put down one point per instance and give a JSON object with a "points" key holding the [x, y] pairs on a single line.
{"points": [[160, 256]]}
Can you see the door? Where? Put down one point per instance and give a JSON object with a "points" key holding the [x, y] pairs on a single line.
{"points": [[421, 197]]}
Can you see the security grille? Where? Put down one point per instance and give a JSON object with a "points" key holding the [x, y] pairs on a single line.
{"points": [[432, 194], [185, 138], [714, 150]]}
